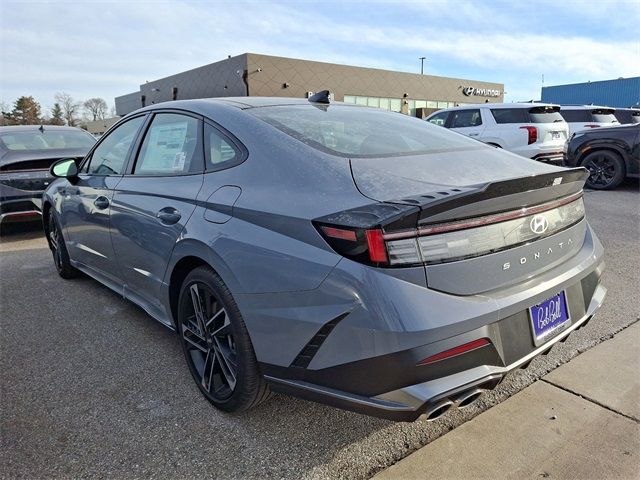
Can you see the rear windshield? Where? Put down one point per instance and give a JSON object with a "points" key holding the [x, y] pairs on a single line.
{"points": [[604, 115], [357, 132], [541, 114], [46, 140]]}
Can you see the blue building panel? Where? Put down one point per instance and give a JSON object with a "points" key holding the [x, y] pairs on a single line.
{"points": [[622, 92]]}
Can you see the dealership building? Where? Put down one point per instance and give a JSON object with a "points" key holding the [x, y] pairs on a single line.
{"points": [[619, 93], [252, 74]]}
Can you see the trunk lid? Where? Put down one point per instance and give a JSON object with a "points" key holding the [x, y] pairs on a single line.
{"points": [[480, 208]]}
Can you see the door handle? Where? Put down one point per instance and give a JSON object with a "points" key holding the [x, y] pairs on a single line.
{"points": [[474, 134], [169, 215], [101, 202]]}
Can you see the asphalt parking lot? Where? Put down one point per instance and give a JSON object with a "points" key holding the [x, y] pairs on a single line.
{"points": [[91, 386]]}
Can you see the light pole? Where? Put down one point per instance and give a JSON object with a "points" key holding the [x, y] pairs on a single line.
{"points": [[422, 59]]}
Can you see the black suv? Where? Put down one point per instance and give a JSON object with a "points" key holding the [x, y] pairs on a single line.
{"points": [[610, 154]]}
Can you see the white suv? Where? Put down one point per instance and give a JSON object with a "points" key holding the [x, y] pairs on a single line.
{"points": [[535, 131], [581, 117]]}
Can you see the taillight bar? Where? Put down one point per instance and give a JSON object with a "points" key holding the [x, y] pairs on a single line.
{"points": [[481, 221]]}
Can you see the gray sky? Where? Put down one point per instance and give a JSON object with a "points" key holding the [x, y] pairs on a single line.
{"points": [[106, 49]]}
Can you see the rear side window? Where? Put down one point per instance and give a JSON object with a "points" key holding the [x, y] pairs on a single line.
{"points": [[576, 115], [109, 157], [628, 116], [465, 118], [510, 115], [439, 119], [171, 146], [220, 152]]}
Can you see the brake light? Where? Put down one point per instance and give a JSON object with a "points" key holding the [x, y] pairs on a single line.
{"points": [[455, 351], [363, 245], [533, 134], [591, 125], [377, 248]]}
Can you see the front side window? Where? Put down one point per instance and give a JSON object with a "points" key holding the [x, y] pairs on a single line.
{"points": [[465, 118], [355, 132], [109, 157], [171, 146], [439, 119]]}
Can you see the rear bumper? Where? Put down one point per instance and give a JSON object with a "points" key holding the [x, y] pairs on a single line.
{"points": [[21, 194], [366, 357], [435, 396]]}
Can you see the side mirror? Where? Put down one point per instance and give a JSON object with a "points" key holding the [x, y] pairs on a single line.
{"points": [[65, 168]]}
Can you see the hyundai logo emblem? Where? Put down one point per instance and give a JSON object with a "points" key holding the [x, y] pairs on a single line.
{"points": [[539, 224], [468, 91]]}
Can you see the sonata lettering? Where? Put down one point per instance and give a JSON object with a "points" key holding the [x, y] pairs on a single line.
{"points": [[536, 255]]}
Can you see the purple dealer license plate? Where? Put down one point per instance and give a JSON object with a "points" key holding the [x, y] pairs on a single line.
{"points": [[549, 318]]}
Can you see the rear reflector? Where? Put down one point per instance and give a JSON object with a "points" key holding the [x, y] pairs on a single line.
{"points": [[340, 233], [455, 351]]}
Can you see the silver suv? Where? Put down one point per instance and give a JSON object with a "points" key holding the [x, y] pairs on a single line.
{"points": [[535, 131], [581, 117]]}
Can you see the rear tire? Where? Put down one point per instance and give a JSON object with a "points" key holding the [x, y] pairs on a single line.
{"points": [[59, 249], [606, 169], [216, 344]]}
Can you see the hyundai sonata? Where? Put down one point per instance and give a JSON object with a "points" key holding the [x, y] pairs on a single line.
{"points": [[347, 255]]}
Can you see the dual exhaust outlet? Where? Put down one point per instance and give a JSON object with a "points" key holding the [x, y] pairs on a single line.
{"points": [[460, 401]]}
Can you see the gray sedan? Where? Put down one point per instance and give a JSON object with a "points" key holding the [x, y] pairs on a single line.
{"points": [[347, 255]]}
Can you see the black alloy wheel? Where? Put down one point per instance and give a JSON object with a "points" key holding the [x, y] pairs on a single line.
{"points": [[606, 170], [216, 344], [59, 249]]}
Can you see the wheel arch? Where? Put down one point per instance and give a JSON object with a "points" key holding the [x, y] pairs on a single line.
{"points": [[187, 255]]}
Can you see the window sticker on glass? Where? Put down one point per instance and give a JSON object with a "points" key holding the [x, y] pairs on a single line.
{"points": [[166, 144], [169, 145]]}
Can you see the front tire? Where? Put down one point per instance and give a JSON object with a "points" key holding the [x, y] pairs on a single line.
{"points": [[606, 170], [59, 249], [216, 344]]}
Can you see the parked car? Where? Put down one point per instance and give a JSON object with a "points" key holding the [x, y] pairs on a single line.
{"points": [[610, 154], [26, 153], [627, 115], [344, 254], [581, 117], [532, 131]]}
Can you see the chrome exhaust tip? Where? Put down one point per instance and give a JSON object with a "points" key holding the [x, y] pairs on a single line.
{"points": [[439, 409], [467, 398]]}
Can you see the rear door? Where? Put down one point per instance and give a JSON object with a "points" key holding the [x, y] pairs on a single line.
{"points": [[467, 122], [154, 201]]}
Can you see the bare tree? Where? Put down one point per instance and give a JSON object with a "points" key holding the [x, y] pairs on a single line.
{"points": [[69, 107], [96, 108]]}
